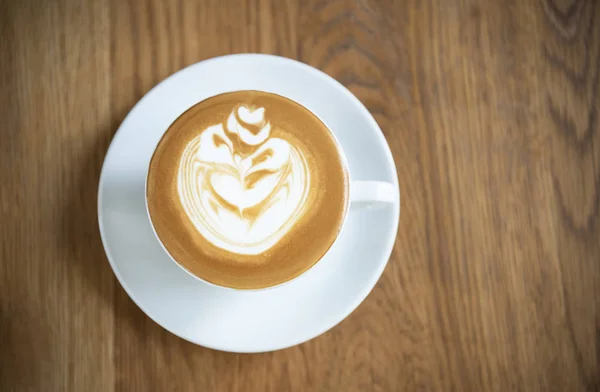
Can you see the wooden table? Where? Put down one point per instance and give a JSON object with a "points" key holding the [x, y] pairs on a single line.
{"points": [[491, 109]]}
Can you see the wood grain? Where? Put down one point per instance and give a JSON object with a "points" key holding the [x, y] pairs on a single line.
{"points": [[490, 108]]}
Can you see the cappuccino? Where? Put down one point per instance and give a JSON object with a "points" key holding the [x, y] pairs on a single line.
{"points": [[247, 189]]}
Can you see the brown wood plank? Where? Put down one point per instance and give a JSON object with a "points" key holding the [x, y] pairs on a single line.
{"points": [[57, 291], [490, 108]]}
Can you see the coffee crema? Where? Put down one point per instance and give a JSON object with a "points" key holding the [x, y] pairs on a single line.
{"points": [[247, 189]]}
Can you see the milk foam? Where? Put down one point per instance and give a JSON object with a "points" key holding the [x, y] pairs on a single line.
{"points": [[242, 190]]}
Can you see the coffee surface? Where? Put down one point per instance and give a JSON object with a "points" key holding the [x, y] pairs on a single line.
{"points": [[247, 189]]}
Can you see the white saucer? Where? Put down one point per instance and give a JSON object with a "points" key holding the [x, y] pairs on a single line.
{"points": [[224, 319]]}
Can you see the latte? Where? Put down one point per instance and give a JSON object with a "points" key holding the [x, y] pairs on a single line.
{"points": [[247, 189]]}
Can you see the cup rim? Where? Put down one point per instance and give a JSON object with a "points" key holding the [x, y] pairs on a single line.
{"points": [[340, 228]]}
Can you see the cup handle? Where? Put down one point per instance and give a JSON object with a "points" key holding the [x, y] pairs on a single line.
{"points": [[373, 192]]}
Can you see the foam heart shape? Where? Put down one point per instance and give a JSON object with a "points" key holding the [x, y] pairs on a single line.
{"points": [[253, 117], [243, 204]]}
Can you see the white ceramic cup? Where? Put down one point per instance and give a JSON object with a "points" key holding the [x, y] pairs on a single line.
{"points": [[364, 193]]}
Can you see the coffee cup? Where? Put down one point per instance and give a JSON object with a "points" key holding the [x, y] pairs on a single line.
{"points": [[248, 190]]}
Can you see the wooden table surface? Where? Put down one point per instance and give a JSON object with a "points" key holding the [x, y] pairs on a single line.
{"points": [[491, 111]]}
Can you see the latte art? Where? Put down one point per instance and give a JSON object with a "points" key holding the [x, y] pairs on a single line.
{"points": [[242, 189]]}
